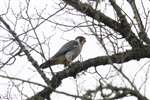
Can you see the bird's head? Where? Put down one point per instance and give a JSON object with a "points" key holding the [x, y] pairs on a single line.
{"points": [[80, 39]]}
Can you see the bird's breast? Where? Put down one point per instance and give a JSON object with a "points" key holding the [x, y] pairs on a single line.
{"points": [[71, 55]]}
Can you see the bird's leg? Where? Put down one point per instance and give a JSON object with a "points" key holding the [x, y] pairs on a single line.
{"points": [[69, 65], [66, 63]]}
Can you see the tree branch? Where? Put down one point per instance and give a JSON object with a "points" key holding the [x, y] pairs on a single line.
{"points": [[116, 92], [29, 57], [142, 34], [122, 28], [22, 80], [77, 67]]}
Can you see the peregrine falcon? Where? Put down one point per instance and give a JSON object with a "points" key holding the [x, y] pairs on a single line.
{"points": [[67, 53]]}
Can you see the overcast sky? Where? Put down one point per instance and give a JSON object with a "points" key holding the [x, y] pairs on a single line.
{"points": [[55, 37]]}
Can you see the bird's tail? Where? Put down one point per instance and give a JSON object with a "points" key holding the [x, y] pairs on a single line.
{"points": [[46, 64]]}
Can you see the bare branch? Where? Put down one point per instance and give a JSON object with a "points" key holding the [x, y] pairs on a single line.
{"points": [[22, 80], [142, 34], [30, 58], [77, 67], [123, 29]]}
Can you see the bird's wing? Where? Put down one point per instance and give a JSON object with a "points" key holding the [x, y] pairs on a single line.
{"points": [[66, 48]]}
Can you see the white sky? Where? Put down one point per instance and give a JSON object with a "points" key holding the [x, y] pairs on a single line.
{"points": [[22, 68]]}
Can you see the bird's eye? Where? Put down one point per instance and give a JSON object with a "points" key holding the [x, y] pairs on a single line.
{"points": [[81, 40]]}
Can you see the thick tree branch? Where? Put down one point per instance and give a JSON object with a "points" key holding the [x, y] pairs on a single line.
{"points": [[77, 67], [116, 92], [121, 92], [122, 28], [142, 34], [136, 14]]}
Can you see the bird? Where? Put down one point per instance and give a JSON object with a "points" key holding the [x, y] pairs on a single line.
{"points": [[67, 53]]}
